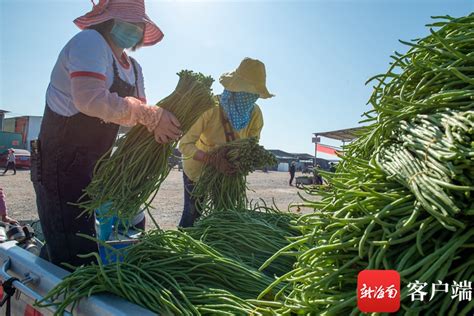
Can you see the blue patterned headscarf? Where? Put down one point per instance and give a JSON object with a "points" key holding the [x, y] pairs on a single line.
{"points": [[238, 106]]}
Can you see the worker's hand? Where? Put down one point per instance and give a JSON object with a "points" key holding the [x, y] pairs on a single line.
{"points": [[220, 161], [162, 123], [9, 220], [167, 129]]}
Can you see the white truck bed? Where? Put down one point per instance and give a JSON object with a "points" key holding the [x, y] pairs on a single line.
{"points": [[19, 263]]}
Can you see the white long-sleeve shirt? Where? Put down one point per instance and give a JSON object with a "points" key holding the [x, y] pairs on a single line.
{"points": [[88, 55]]}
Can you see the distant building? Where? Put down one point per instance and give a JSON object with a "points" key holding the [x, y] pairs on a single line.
{"points": [[303, 161], [27, 126], [2, 117], [8, 139]]}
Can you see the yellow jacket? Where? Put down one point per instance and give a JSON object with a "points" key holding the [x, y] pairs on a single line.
{"points": [[208, 133]]}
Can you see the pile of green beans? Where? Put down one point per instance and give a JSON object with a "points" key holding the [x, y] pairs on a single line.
{"points": [[401, 197], [217, 191], [433, 157], [129, 178], [169, 273], [435, 73], [249, 236]]}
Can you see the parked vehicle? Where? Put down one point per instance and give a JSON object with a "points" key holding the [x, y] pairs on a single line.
{"points": [[22, 158]]}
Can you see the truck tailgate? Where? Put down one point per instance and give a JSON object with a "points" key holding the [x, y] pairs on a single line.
{"points": [[44, 275]]}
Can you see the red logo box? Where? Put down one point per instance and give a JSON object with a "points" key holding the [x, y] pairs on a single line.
{"points": [[378, 291]]}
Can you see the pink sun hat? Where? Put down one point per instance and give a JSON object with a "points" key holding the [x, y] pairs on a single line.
{"points": [[132, 11]]}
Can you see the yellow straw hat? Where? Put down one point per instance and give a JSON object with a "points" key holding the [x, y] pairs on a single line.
{"points": [[249, 77]]}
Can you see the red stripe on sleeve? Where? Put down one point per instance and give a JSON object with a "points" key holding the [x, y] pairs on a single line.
{"points": [[88, 74]]}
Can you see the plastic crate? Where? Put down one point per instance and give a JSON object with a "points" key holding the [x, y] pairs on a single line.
{"points": [[111, 256]]}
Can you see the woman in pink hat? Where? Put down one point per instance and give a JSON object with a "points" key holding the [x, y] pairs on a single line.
{"points": [[95, 87]]}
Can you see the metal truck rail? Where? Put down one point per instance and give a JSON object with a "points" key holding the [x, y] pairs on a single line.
{"points": [[36, 277]]}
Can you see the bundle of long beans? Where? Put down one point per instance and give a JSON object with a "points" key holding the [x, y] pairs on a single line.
{"points": [[127, 179], [169, 273], [249, 236], [433, 158], [402, 195], [435, 73], [217, 191]]}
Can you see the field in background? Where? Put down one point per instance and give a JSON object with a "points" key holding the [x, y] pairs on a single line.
{"points": [[168, 203]]}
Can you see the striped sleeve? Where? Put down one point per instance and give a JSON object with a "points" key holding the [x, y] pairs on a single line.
{"points": [[87, 56]]}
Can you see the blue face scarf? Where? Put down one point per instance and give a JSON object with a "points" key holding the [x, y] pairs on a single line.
{"points": [[238, 107], [126, 35]]}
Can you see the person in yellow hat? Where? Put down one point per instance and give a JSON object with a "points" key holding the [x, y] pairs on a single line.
{"points": [[235, 116]]}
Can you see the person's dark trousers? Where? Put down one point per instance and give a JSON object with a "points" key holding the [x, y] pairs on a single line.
{"points": [[292, 176], [319, 179], [10, 165], [190, 210], [60, 172]]}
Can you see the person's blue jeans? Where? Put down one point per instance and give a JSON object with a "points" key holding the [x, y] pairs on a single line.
{"points": [[190, 210]]}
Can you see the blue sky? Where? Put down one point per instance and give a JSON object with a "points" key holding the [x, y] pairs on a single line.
{"points": [[318, 54]]}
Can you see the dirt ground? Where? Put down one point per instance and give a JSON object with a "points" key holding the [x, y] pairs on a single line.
{"points": [[168, 203]]}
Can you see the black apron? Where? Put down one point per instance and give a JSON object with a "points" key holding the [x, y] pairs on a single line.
{"points": [[62, 165]]}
